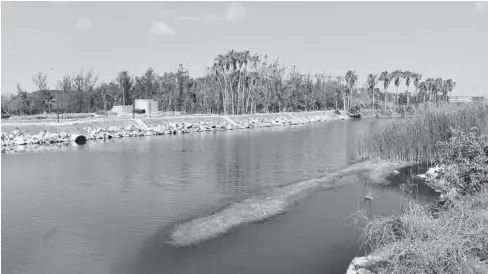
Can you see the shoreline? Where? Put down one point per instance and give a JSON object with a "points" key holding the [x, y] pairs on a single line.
{"points": [[21, 137]]}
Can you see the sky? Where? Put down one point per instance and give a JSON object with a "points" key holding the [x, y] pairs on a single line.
{"points": [[436, 39]]}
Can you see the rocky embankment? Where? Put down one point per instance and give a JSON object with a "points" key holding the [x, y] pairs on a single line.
{"points": [[17, 140]]}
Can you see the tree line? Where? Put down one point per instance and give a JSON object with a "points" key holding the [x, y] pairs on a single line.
{"points": [[236, 83]]}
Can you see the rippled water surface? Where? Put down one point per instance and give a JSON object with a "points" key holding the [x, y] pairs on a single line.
{"points": [[107, 208]]}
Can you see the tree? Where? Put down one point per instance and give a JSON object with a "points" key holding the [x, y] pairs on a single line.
{"points": [[23, 100], [371, 82], [125, 83], [438, 87], [416, 81], [386, 78], [450, 85], [66, 87], [408, 76], [40, 81], [424, 88], [351, 79], [429, 83], [396, 77]]}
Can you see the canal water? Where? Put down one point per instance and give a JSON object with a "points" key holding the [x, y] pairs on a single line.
{"points": [[108, 207]]}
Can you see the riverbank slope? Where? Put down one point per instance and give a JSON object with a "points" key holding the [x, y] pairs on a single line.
{"points": [[15, 134]]}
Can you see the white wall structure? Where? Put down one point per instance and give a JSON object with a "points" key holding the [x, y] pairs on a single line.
{"points": [[147, 104], [122, 109]]}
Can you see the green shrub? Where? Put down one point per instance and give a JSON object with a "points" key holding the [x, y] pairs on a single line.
{"points": [[465, 162]]}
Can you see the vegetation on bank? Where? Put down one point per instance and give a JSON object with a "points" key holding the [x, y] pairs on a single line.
{"points": [[450, 235], [415, 138], [236, 83], [416, 241]]}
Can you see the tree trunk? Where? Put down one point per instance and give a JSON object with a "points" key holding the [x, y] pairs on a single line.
{"points": [[386, 96], [373, 100], [408, 97], [396, 97]]}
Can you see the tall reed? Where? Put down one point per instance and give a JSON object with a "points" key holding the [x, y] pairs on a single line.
{"points": [[414, 139]]}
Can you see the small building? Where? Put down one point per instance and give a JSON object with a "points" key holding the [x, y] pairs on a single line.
{"points": [[120, 110], [150, 106], [461, 99]]}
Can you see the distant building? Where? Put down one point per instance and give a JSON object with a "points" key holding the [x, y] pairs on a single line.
{"points": [[461, 99], [149, 106]]}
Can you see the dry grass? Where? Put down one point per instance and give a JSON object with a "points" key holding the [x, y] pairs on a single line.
{"points": [[414, 241], [414, 139]]}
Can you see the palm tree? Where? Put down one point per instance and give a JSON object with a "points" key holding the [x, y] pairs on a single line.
{"points": [[450, 85], [396, 76], [423, 87], [445, 89], [340, 81], [438, 86], [125, 82], [385, 77], [416, 81], [351, 79], [371, 82], [408, 76], [429, 84]]}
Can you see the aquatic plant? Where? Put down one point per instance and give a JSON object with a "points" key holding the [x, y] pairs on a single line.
{"points": [[414, 138]]}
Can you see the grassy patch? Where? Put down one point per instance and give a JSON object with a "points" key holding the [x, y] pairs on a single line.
{"points": [[414, 241]]}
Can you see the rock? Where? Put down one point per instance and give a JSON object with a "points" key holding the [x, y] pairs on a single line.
{"points": [[20, 140], [63, 135]]}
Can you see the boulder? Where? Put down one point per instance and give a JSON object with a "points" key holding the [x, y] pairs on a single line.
{"points": [[19, 140], [63, 135]]}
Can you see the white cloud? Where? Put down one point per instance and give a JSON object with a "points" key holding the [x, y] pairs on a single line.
{"points": [[235, 11], [166, 12], [189, 18], [204, 18], [83, 23], [480, 5], [160, 28]]}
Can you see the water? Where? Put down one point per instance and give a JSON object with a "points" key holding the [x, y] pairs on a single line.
{"points": [[107, 208]]}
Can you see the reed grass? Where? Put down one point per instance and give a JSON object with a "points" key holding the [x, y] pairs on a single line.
{"points": [[414, 138], [414, 241]]}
